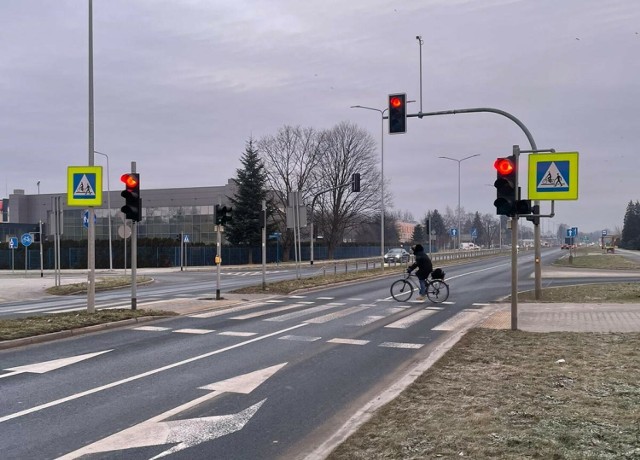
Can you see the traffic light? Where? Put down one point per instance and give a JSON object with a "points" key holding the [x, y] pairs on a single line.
{"points": [[506, 186], [355, 182], [397, 113], [131, 193], [534, 210], [223, 215]]}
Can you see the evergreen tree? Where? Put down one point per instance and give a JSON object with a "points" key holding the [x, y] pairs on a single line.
{"points": [[630, 238], [419, 236], [245, 230], [437, 225]]}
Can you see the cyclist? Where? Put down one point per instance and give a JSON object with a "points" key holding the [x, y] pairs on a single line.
{"points": [[424, 266]]}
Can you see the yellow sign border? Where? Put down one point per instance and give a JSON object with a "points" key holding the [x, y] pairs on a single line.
{"points": [[72, 171], [535, 158]]}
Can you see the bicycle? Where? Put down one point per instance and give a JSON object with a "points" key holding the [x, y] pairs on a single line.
{"points": [[437, 288]]}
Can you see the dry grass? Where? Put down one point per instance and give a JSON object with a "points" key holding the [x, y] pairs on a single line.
{"points": [[104, 284], [37, 325], [597, 260], [508, 395]]}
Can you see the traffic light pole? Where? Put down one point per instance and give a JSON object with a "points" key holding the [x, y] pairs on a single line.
{"points": [[218, 245], [536, 226], [134, 254]]}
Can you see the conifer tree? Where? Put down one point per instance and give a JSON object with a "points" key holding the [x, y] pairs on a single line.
{"points": [[245, 230]]}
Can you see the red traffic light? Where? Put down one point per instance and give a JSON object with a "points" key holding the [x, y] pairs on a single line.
{"points": [[130, 180], [504, 166], [395, 102]]}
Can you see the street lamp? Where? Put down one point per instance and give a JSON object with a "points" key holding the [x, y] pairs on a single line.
{"points": [[109, 206], [381, 111], [459, 161], [40, 234]]}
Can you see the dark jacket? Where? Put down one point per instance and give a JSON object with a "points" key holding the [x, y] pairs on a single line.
{"points": [[423, 264]]}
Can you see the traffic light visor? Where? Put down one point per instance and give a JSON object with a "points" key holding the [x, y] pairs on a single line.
{"points": [[504, 166]]}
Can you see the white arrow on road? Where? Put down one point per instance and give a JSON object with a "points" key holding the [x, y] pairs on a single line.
{"points": [[190, 432], [46, 366]]}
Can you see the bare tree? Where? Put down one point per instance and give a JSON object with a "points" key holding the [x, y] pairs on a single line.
{"points": [[290, 158], [347, 149]]}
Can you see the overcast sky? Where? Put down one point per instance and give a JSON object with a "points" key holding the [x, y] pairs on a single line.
{"points": [[181, 85]]}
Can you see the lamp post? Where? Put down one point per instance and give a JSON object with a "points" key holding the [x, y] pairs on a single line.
{"points": [[381, 111], [459, 161], [109, 206], [40, 235]]}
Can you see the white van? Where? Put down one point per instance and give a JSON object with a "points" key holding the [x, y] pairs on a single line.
{"points": [[468, 246]]}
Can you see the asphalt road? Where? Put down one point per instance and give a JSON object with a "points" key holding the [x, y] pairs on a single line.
{"points": [[266, 379]]}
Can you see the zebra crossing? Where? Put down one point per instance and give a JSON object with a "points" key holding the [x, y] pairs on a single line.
{"points": [[298, 307]]}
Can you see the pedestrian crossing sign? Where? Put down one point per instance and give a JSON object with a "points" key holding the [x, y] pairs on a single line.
{"points": [[553, 176], [84, 186]]}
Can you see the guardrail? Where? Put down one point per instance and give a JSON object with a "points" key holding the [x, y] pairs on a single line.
{"points": [[371, 263]]}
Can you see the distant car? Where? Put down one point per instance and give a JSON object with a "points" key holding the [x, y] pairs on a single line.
{"points": [[564, 246], [397, 255]]}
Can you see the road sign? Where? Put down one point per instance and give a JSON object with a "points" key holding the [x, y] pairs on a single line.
{"points": [[124, 231], [474, 233], [604, 233], [572, 232], [13, 243], [85, 219], [26, 239], [84, 185], [453, 231], [186, 238], [553, 176]]}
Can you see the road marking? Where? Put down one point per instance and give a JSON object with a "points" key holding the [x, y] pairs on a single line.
{"points": [[326, 298], [297, 314], [401, 345], [366, 320], [185, 433], [145, 374], [194, 331], [299, 338], [46, 366], [255, 314], [457, 321], [275, 301], [151, 328], [297, 296], [225, 311], [335, 315], [356, 299], [349, 341], [410, 320], [238, 334]]}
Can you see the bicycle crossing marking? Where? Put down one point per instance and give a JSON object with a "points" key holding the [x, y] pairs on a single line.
{"points": [[151, 328], [410, 320]]}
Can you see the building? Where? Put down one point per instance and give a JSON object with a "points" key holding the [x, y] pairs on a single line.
{"points": [[405, 231], [166, 213]]}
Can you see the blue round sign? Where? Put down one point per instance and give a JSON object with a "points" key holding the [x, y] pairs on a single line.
{"points": [[26, 239]]}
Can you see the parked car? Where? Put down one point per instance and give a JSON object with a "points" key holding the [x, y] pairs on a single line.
{"points": [[396, 255]]}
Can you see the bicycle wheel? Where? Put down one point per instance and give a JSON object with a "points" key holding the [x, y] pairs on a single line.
{"points": [[437, 291], [401, 290]]}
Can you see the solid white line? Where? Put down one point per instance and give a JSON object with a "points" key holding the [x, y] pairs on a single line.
{"points": [[144, 374]]}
